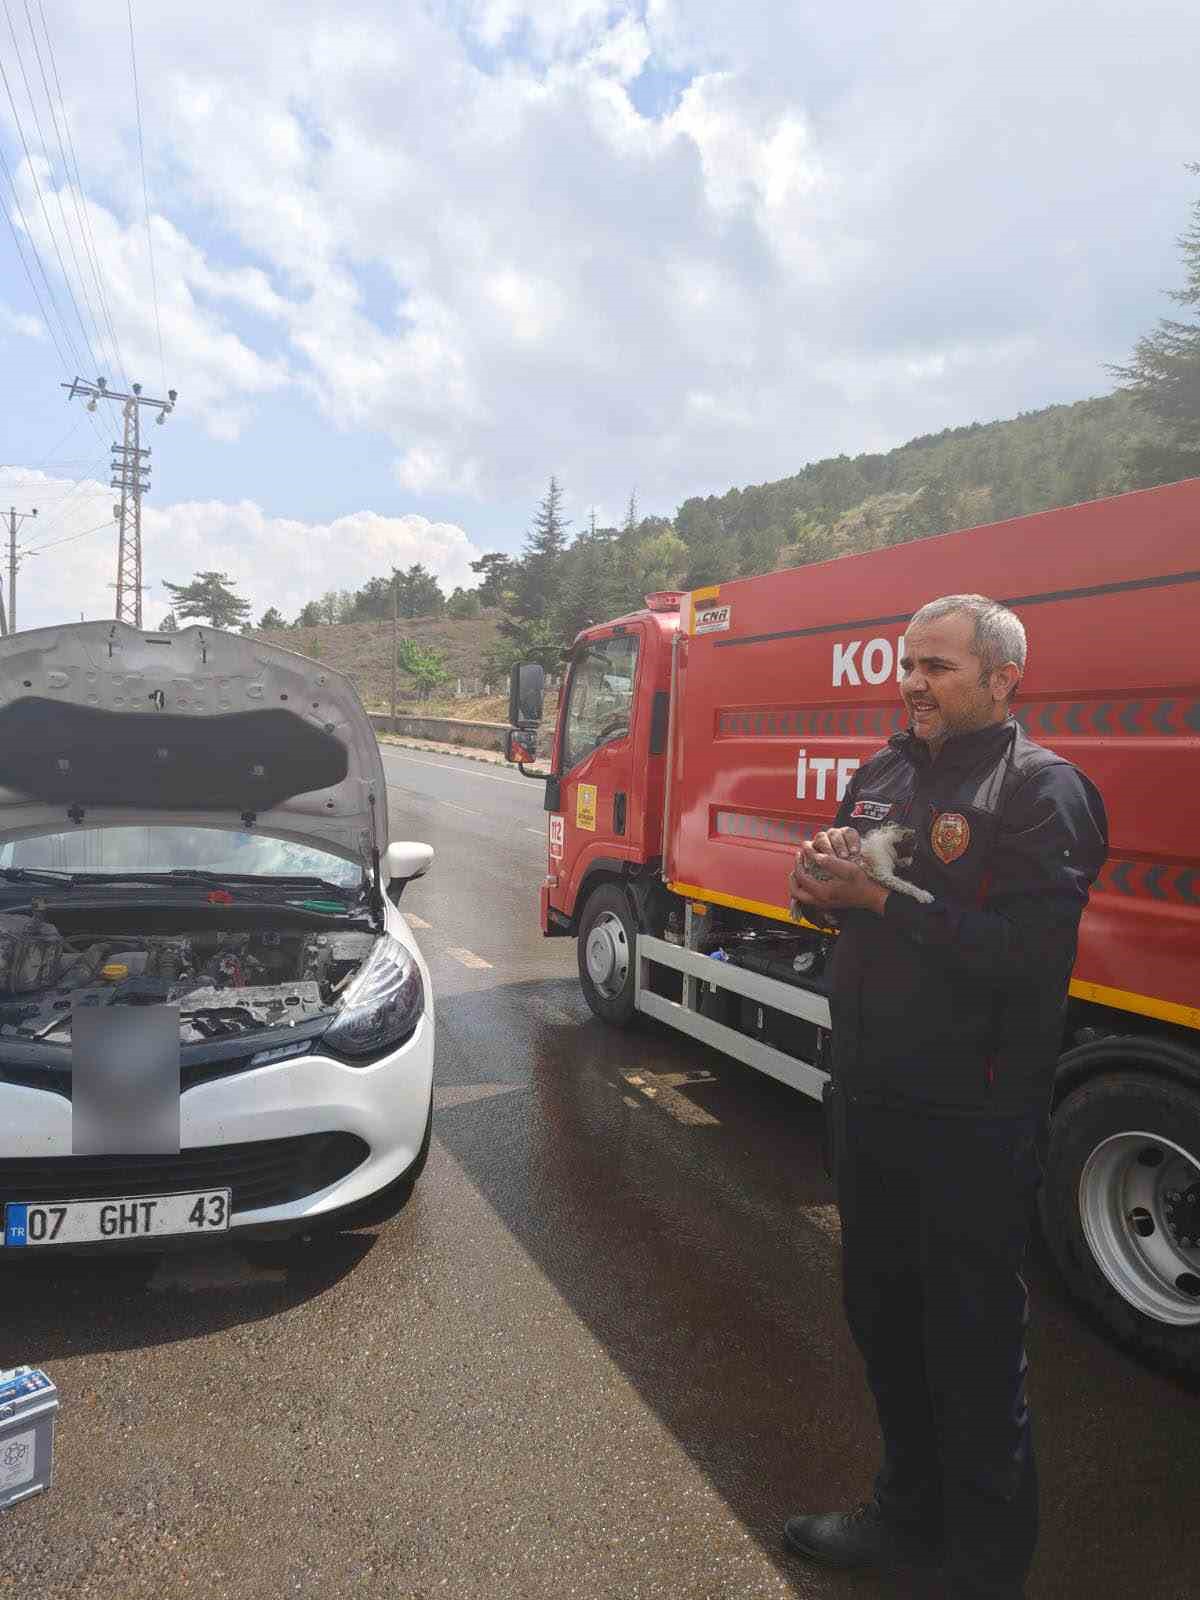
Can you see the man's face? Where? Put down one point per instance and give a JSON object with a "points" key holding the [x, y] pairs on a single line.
{"points": [[941, 681]]}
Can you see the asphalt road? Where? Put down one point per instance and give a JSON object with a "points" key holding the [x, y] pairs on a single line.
{"points": [[600, 1353]]}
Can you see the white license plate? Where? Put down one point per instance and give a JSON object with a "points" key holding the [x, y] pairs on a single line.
{"points": [[158, 1216]]}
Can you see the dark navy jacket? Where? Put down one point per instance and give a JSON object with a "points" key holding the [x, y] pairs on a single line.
{"points": [[959, 1004]]}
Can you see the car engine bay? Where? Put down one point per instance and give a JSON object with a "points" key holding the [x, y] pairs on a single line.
{"points": [[225, 982]]}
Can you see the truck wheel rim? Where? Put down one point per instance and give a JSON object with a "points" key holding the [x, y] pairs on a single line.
{"points": [[607, 955], [1139, 1202]]}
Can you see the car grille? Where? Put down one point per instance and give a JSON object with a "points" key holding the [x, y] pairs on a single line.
{"points": [[267, 1172]]}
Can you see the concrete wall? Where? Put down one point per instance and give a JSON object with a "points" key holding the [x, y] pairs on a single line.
{"points": [[446, 730]]}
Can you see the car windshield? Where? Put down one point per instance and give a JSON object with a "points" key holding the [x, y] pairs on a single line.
{"points": [[152, 850]]}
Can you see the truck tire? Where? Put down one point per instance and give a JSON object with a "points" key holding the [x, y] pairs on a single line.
{"points": [[607, 949], [1120, 1209]]}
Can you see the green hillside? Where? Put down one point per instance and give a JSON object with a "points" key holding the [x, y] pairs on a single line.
{"points": [[981, 473], [959, 478]]}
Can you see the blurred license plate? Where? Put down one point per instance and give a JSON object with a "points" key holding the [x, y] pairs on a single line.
{"points": [[29, 1223]]}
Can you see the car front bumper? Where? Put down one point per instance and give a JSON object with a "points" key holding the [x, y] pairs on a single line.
{"points": [[282, 1105]]}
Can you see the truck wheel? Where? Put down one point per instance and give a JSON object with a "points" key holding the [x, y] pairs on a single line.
{"points": [[607, 952], [1120, 1208]]}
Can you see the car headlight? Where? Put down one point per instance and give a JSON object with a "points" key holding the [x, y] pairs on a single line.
{"points": [[382, 1005]]}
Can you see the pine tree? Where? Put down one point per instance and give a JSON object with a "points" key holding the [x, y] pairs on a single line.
{"points": [[209, 597], [496, 572], [537, 578], [1164, 376]]}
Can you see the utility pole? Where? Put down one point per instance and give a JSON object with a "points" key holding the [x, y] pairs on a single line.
{"points": [[15, 519], [131, 475]]}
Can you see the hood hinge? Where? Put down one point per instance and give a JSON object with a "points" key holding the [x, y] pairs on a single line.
{"points": [[249, 818], [76, 813]]}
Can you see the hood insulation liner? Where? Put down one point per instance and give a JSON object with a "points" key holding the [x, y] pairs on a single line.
{"points": [[246, 761]]}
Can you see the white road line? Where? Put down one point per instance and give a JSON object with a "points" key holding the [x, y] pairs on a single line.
{"points": [[454, 806], [541, 832], [466, 772], [469, 958], [414, 921]]}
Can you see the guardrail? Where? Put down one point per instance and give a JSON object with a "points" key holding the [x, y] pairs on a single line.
{"points": [[445, 730]]}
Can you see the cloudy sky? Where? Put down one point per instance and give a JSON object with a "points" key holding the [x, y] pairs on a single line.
{"points": [[412, 259]]}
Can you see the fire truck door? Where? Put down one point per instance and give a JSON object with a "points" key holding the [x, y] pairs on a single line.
{"points": [[596, 755]]}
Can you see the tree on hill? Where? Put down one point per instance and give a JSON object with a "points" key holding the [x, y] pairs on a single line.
{"points": [[496, 572], [310, 617], [337, 605], [590, 587], [1164, 376], [538, 640], [662, 561], [535, 586], [208, 598], [373, 602], [271, 619], [168, 624], [419, 593], [424, 664], [463, 605]]}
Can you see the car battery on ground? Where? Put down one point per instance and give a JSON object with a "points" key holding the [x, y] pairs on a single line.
{"points": [[28, 1406]]}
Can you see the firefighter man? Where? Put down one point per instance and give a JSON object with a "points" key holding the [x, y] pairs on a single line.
{"points": [[947, 1022]]}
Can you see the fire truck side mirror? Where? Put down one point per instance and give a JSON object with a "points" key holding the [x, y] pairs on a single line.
{"points": [[519, 745], [526, 691]]}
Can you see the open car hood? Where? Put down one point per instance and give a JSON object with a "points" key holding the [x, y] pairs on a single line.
{"points": [[104, 724]]}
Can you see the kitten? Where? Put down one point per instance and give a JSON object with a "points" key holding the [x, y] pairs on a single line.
{"points": [[880, 854]]}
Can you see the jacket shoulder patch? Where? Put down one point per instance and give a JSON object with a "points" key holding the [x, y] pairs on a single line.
{"points": [[872, 810]]}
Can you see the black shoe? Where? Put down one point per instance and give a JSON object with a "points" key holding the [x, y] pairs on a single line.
{"points": [[859, 1539]]}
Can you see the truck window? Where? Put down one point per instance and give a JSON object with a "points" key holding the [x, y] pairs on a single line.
{"points": [[600, 702]]}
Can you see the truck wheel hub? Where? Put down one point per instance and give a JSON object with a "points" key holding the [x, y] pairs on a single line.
{"points": [[1139, 1204], [1182, 1211], [607, 955]]}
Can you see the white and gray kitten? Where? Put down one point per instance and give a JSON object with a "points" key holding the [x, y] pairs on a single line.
{"points": [[880, 854]]}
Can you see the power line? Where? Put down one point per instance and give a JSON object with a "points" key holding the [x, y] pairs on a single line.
{"points": [[37, 295], [137, 100], [37, 182], [70, 434], [88, 237], [79, 274], [36, 549], [37, 256], [90, 476]]}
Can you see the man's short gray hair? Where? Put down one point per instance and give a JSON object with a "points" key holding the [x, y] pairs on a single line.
{"points": [[999, 632]]}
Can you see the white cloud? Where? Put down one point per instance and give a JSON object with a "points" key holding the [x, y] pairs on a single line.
{"points": [[457, 230], [68, 568], [218, 370], [21, 323]]}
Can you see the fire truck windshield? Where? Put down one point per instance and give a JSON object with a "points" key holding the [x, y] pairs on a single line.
{"points": [[600, 698]]}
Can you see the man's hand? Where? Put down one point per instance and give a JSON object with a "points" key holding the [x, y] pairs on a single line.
{"points": [[841, 842], [846, 886]]}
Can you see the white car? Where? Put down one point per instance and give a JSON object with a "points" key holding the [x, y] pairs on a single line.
{"points": [[193, 837]]}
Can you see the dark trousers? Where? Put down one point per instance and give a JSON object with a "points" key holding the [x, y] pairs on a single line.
{"points": [[935, 1217]]}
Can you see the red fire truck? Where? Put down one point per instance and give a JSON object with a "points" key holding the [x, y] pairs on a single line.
{"points": [[699, 740]]}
